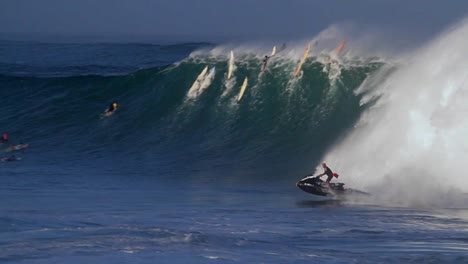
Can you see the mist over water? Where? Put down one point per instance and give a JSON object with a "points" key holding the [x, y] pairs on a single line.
{"points": [[410, 146]]}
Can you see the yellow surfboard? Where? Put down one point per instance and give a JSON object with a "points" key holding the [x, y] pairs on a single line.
{"points": [[304, 57], [242, 90]]}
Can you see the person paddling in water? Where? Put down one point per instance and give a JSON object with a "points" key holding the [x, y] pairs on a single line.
{"points": [[9, 158], [327, 171], [112, 108]]}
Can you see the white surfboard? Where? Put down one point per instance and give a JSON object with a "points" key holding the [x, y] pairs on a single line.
{"points": [[303, 59], [242, 90], [17, 147], [196, 84], [273, 52], [231, 65], [207, 81]]}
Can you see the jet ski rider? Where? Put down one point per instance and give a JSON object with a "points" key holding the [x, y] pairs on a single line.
{"points": [[329, 173]]}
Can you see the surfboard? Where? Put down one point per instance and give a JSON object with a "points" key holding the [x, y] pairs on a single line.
{"points": [[242, 90], [206, 81], [332, 67], [17, 147], [231, 65], [340, 47], [108, 113], [304, 57], [196, 84], [273, 51]]}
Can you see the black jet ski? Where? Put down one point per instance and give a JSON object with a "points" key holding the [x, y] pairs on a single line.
{"points": [[314, 185]]}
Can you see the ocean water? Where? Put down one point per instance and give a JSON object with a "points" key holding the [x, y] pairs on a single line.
{"points": [[171, 178]]}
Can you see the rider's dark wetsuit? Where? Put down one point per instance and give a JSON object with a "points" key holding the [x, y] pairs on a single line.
{"points": [[329, 173]]}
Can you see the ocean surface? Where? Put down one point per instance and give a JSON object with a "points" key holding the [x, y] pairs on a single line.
{"points": [[197, 177]]}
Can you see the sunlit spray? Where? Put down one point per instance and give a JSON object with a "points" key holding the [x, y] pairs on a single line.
{"points": [[411, 145]]}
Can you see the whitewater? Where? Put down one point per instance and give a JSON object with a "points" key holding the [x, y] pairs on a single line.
{"points": [[181, 175], [413, 135]]}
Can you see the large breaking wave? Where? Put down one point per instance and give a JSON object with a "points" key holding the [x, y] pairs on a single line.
{"points": [[391, 128], [281, 122]]}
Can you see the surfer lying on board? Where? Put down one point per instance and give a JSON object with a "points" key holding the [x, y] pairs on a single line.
{"points": [[329, 173], [9, 158], [112, 108]]}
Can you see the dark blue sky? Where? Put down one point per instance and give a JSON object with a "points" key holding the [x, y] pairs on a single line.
{"points": [[220, 19]]}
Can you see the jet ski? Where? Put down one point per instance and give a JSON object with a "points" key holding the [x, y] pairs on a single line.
{"points": [[314, 185]]}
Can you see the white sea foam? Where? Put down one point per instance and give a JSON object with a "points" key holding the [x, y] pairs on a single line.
{"points": [[412, 145]]}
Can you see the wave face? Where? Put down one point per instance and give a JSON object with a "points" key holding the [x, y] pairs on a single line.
{"points": [[281, 125]]}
